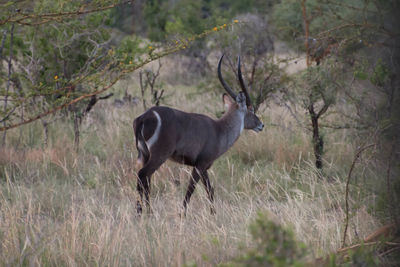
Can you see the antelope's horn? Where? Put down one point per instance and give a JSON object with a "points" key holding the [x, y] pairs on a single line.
{"points": [[242, 85], [226, 87]]}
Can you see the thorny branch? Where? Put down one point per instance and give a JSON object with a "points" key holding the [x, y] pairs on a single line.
{"points": [[31, 19], [122, 73]]}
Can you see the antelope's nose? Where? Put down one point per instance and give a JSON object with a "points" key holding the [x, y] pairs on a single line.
{"points": [[260, 127]]}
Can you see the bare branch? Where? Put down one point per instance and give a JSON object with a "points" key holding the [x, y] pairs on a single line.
{"points": [[143, 87], [323, 109], [357, 155], [93, 100]]}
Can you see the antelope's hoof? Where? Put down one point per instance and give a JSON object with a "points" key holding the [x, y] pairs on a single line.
{"points": [[182, 214], [212, 211], [139, 209]]}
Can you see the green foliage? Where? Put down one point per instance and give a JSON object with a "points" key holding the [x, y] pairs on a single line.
{"points": [[19, 47], [156, 14], [7, 4], [362, 257], [188, 17], [58, 49], [360, 73], [287, 19], [130, 49], [191, 17], [317, 84], [380, 74], [339, 20], [273, 246], [48, 59]]}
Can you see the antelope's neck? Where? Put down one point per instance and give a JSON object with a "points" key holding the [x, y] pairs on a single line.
{"points": [[230, 127]]}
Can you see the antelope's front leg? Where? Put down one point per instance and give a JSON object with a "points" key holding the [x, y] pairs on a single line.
{"points": [[209, 189], [191, 187]]}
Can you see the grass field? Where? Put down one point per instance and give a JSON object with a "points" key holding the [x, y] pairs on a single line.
{"points": [[60, 208]]}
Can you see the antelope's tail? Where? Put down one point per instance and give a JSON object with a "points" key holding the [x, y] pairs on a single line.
{"points": [[143, 151]]}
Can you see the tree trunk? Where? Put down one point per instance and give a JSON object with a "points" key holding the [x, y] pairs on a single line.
{"points": [[77, 122], [45, 133], [318, 142]]}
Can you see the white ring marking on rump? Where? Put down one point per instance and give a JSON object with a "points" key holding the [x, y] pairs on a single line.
{"points": [[156, 134]]}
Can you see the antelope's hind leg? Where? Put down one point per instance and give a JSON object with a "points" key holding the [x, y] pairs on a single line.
{"points": [[142, 160], [144, 182]]}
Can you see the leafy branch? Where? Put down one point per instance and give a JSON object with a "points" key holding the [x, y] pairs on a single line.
{"points": [[34, 19], [117, 66]]}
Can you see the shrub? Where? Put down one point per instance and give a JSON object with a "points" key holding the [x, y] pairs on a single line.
{"points": [[273, 246]]}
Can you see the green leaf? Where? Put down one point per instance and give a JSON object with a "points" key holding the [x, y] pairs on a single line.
{"points": [[360, 75], [9, 3]]}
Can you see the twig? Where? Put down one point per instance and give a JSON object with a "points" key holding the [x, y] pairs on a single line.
{"points": [[388, 175], [294, 115], [395, 245], [383, 231], [358, 154], [93, 100], [59, 107], [356, 246], [152, 76], [8, 114], [389, 251], [142, 89], [342, 127]]}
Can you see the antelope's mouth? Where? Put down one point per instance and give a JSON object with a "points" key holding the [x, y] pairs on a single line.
{"points": [[258, 128]]}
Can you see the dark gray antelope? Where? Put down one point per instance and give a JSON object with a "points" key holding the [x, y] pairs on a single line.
{"points": [[193, 139]]}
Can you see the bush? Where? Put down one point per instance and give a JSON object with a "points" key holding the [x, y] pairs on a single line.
{"points": [[273, 246]]}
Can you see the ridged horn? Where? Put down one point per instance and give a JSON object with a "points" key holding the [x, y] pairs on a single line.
{"points": [[226, 87], [242, 85]]}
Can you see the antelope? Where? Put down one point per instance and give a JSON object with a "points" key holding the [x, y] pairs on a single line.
{"points": [[192, 139]]}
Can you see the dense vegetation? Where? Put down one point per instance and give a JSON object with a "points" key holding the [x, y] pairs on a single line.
{"points": [[309, 190]]}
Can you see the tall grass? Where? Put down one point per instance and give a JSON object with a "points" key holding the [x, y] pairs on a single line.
{"points": [[59, 208]]}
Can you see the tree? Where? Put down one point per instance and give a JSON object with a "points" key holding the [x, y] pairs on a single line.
{"points": [[250, 38], [61, 58], [334, 35]]}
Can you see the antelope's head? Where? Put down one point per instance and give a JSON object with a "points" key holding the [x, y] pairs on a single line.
{"points": [[241, 100]]}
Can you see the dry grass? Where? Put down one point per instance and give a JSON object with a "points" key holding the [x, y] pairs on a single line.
{"points": [[58, 208]]}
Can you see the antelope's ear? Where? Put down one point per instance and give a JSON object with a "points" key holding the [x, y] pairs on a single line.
{"points": [[227, 101]]}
